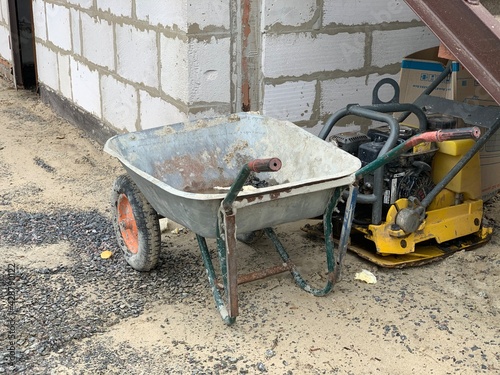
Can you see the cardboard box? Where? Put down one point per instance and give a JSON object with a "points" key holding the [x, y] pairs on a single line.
{"points": [[419, 70]]}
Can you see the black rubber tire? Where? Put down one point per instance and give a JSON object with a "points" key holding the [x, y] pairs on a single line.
{"points": [[144, 256], [250, 238]]}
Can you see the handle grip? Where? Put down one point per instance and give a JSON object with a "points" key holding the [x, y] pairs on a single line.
{"points": [[265, 165], [461, 133]]}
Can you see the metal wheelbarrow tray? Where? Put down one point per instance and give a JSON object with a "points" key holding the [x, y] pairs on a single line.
{"points": [[178, 168]]}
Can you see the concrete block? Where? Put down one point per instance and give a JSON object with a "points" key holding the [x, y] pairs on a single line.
{"points": [[293, 101], [116, 7], [58, 32], [85, 87], [338, 93], [169, 13], [137, 55], [119, 103], [174, 68], [287, 13], [64, 70], [359, 12], [39, 24], [47, 70], [302, 53], [5, 51], [155, 111], [5, 11], [389, 47], [209, 13], [85, 4], [209, 71], [97, 41], [75, 31]]}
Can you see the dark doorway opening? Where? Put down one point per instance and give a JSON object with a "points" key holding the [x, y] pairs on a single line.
{"points": [[23, 43]]}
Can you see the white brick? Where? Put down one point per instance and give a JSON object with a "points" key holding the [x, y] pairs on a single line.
{"points": [[338, 93], [47, 66], [291, 101], [5, 51], [116, 7], [157, 112], [168, 13], [175, 68], [85, 86], [40, 26], [119, 103], [209, 71], [389, 47], [357, 12], [58, 26], [64, 75], [75, 31], [97, 41], [86, 4], [137, 55], [299, 54], [287, 13], [5, 11], [209, 13]]}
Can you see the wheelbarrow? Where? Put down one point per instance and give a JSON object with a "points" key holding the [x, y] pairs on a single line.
{"points": [[176, 172]]}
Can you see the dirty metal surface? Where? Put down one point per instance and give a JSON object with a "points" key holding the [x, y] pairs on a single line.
{"points": [[177, 168], [470, 32]]}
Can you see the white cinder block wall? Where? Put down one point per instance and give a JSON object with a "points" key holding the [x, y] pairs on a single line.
{"points": [[135, 64], [5, 52], [319, 56]]}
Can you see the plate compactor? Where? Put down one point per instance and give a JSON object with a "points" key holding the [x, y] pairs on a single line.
{"points": [[425, 203]]}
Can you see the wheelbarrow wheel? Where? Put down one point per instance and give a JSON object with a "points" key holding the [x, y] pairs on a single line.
{"points": [[251, 237], [136, 224]]}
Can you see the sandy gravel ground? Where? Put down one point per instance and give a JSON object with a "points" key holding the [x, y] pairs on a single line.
{"points": [[76, 313]]}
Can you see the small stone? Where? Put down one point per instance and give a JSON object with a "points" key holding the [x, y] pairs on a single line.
{"points": [[270, 353]]}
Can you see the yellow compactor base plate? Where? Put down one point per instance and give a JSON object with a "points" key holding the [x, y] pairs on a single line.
{"points": [[424, 253]]}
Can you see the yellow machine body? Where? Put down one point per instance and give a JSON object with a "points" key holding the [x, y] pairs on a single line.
{"points": [[442, 225], [456, 212]]}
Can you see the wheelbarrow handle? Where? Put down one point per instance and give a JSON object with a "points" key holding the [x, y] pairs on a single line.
{"points": [[461, 133], [265, 165], [257, 165]]}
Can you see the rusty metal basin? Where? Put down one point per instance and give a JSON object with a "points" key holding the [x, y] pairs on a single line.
{"points": [[180, 169]]}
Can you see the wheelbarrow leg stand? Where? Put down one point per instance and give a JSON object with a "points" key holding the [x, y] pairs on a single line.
{"points": [[226, 246], [228, 316], [333, 265]]}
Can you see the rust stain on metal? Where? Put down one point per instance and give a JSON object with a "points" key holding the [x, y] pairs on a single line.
{"points": [[262, 274], [231, 264], [274, 195], [246, 30], [191, 169], [253, 198]]}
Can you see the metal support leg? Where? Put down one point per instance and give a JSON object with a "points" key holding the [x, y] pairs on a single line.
{"points": [[329, 245], [212, 279]]}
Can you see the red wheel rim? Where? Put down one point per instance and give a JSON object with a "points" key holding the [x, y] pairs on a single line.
{"points": [[127, 224]]}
